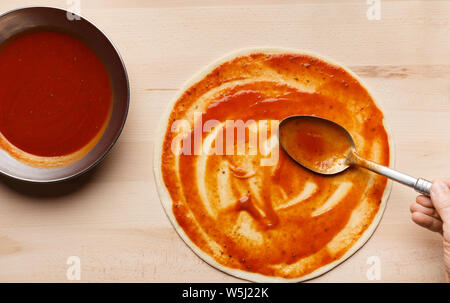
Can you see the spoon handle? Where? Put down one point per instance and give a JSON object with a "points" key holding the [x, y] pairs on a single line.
{"points": [[419, 184]]}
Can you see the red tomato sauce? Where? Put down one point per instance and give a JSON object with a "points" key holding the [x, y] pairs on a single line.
{"points": [[55, 93]]}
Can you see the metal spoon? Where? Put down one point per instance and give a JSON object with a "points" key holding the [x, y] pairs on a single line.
{"points": [[350, 158]]}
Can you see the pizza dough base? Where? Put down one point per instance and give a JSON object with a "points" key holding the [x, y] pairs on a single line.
{"points": [[167, 201]]}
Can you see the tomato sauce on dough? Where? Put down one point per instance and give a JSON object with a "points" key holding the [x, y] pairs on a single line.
{"points": [[55, 95], [279, 220]]}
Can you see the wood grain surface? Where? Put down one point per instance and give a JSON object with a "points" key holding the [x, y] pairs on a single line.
{"points": [[111, 217]]}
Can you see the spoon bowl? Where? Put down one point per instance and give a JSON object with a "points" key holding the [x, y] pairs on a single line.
{"points": [[325, 147], [320, 145]]}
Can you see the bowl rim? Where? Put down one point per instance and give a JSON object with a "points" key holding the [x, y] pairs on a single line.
{"points": [[107, 150]]}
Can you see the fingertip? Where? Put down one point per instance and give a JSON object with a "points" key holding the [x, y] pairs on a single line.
{"points": [[416, 217], [424, 201], [420, 219], [426, 221], [411, 207]]}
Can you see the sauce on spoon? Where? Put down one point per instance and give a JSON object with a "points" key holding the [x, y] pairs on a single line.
{"points": [[316, 144]]}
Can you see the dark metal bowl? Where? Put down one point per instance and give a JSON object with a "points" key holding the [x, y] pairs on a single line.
{"points": [[24, 19]]}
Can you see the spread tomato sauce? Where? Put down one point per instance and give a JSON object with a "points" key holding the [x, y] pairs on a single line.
{"points": [[278, 220], [55, 95]]}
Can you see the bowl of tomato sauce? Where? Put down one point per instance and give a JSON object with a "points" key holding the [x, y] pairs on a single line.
{"points": [[64, 94]]}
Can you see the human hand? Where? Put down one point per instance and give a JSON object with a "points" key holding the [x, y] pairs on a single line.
{"points": [[434, 214]]}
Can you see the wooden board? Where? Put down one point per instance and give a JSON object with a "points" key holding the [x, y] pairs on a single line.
{"points": [[111, 218]]}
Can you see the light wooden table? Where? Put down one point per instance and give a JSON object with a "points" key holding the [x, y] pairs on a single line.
{"points": [[111, 218]]}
